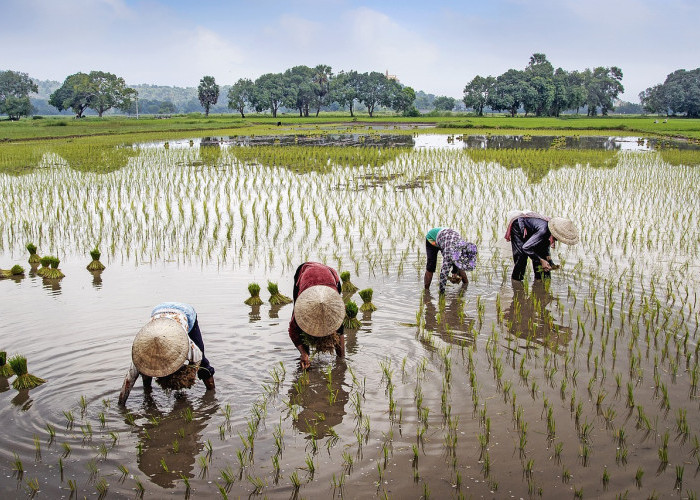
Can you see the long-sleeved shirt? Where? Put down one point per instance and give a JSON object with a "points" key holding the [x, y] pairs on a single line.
{"points": [[455, 252], [307, 275], [536, 236]]}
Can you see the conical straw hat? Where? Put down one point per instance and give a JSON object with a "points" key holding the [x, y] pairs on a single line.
{"points": [[563, 230], [160, 348], [319, 310]]}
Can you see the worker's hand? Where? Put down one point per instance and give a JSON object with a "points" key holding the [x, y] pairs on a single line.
{"points": [[209, 383], [304, 361], [545, 265]]}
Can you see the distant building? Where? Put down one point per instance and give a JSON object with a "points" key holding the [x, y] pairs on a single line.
{"points": [[391, 77]]}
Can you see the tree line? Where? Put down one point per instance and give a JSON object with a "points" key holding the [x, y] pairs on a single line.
{"points": [[541, 90], [538, 89]]}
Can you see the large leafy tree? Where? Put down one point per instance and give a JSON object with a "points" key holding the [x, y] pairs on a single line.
{"points": [[402, 98], [241, 94], [269, 92], [208, 93], [375, 89], [476, 93], [74, 94], [540, 91], [15, 88], [299, 89], [345, 89], [680, 93], [97, 90], [603, 85], [444, 103], [508, 92]]}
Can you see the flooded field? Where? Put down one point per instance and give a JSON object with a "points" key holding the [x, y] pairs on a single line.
{"points": [[582, 387]]}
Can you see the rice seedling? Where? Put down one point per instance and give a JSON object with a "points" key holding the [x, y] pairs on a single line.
{"points": [[276, 298], [347, 287], [33, 257], [5, 369], [24, 380], [254, 299], [367, 305], [15, 271], [351, 322]]}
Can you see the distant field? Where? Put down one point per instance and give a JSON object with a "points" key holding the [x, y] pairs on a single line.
{"points": [[183, 125]]}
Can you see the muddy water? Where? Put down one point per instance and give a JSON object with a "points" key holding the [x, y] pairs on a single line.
{"points": [[546, 377]]}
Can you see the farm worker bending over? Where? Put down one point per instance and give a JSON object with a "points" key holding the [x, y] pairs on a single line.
{"points": [[170, 348], [458, 255], [532, 235], [318, 311]]}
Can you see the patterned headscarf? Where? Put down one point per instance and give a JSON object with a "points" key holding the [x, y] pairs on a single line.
{"points": [[465, 256]]}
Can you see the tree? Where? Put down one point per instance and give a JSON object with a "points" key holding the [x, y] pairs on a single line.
{"points": [[476, 93], [74, 94], [402, 98], [15, 88], [97, 90], [444, 103], [508, 92], [240, 94], [322, 85], [208, 93], [344, 89], [374, 89], [653, 99], [602, 87], [269, 92], [299, 89], [108, 91]]}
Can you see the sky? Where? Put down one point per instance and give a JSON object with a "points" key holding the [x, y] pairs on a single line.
{"points": [[436, 46]]}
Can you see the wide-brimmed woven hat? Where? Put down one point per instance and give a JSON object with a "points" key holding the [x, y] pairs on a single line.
{"points": [[160, 348], [319, 310], [563, 230]]}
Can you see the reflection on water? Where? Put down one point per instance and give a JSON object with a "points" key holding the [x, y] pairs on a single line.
{"points": [[321, 394], [22, 400], [527, 316], [173, 438], [448, 318], [96, 279]]}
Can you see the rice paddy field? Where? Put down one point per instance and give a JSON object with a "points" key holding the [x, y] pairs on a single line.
{"points": [[585, 386]]}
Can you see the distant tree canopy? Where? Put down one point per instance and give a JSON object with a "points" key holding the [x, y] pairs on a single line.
{"points": [[240, 95], [208, 93], [98, 90], [679, 94], [443, 103], [543, 91], [15, 88]]}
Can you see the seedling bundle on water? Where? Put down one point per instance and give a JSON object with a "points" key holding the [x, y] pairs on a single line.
{"points": [[254, 299], [24, 380], [275, 296], [16, 270], [5, 369], [351, 322], [347, 286], [95, 265], [366, 296], [33, 257], [49, 268]]}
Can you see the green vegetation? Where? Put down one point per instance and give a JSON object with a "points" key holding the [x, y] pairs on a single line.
{"points": [[24, 380]]}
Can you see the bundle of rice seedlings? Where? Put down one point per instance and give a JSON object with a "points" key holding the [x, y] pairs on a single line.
{"points": [[5, 369], [95, 265], [53, 272], [254, 299], [366, 296], [16, 270], [454, 278], [33, 257], [24, 380], [184, 378], [351, 322], [45, 264], [321, 344], [275, 296], [347, 286]]}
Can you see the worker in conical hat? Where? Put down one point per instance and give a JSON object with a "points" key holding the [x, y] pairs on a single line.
{"points": [[169, 343]]}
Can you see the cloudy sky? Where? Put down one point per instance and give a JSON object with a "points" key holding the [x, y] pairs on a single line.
{"points": [[436, 46]]}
